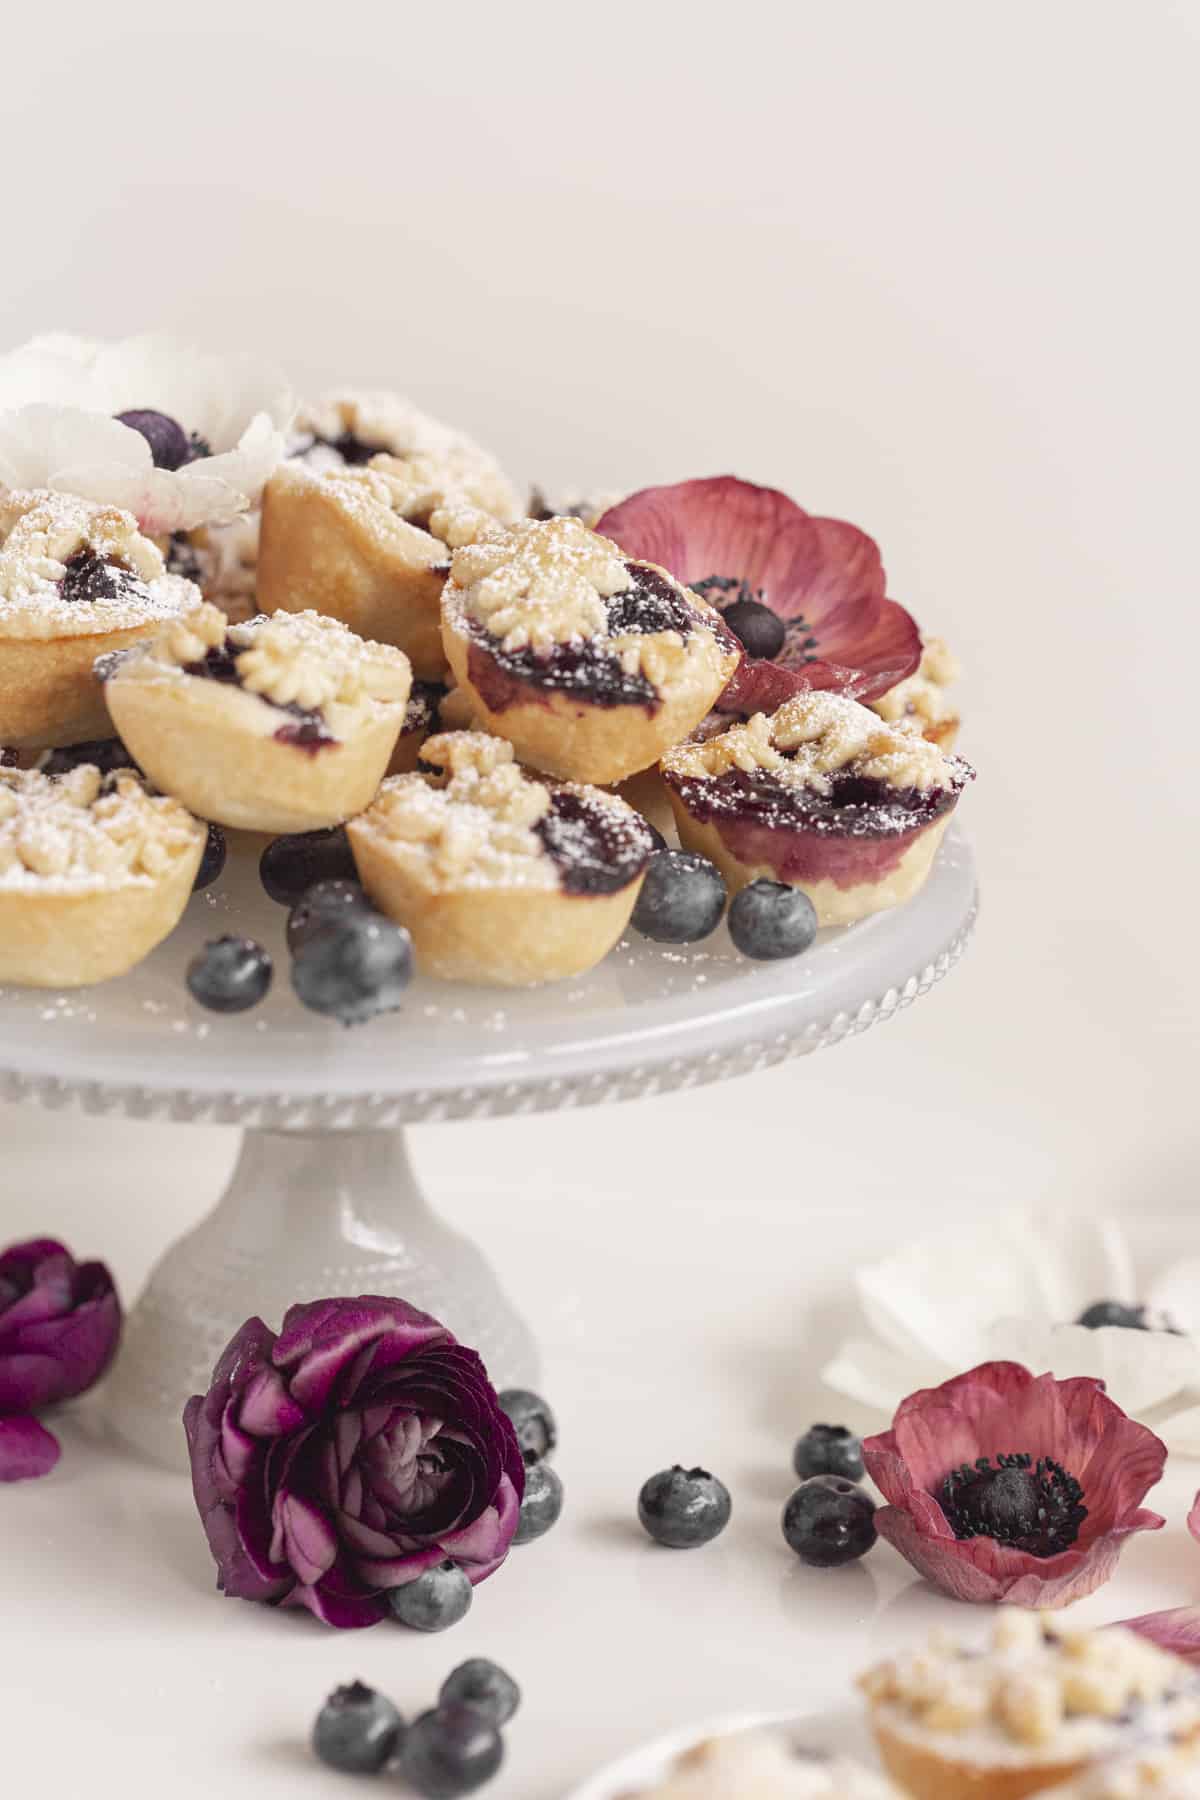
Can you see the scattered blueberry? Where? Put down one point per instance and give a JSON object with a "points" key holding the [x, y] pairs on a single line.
{"points": [[483, 1686], [759, 630], [328, 903], [357, 1730], [450, 1751], [829, 1521], [170, 446], [1112, 1312], [291, 865], [542, 1504], [212, 863], [683, 1508], [354, 970], [437, 1599], [229, 975], [769, 920], [682, 898], [105, 754], [829, 1450], [532, 1420]]}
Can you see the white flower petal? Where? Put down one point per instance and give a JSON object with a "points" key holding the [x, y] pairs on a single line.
{"points": [[875, 1375], [1140, 1369], [1176, 1292], [53, 369], [80, 453]]}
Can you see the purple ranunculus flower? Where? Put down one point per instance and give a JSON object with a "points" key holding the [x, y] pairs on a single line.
{"points": [[344, 1457], [59, 1325]]}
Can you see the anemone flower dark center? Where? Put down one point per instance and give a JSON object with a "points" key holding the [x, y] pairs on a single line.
{"points": [[756, 624], [1034, 1506]]}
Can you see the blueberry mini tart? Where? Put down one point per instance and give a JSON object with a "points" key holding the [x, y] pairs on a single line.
{"points": [[283, 724], [94, 872], [348, 526], [765, 1764], [1036, 1708], [823, 796], [76, 580], [501, 878], [923, 701], [222, 560], [591, 665]]}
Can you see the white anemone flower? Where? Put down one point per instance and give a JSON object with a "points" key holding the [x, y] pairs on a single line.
{"points": [[58, 398], [1012, 1290]]}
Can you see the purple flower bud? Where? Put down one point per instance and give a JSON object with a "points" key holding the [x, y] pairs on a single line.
{"points": [[59, 1325], [344, 1457]]}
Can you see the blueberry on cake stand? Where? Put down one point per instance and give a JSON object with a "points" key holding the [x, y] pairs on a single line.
{"points": [[323, 1199]]}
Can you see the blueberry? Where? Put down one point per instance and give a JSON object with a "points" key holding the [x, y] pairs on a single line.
{"points": [[532, 1420], [829, 1521], [683, 1508], [170, 446], [483, 1686], [354, 970], [437, 1599], [291, 865], [212, 863], [328, 903], [829, 1450], [357, 1730], [105, 754], [450, 1751], [769, 920], [542, 1504], [682, 898], [759, 630], [1112, 1312], [229, 975]]}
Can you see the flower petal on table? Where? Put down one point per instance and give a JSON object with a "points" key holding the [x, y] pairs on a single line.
{"points": [[27, 1449]]}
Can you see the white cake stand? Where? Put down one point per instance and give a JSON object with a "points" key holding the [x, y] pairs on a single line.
{"points": [[323, 1200]]}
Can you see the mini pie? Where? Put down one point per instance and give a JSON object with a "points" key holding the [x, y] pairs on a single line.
{"points": [[76, 580], [348, 523], [823, 796], [501, 878], [591, 665], [282, 724], [1034, 1710], [94, 872], [763, 1764], [922, 701]]}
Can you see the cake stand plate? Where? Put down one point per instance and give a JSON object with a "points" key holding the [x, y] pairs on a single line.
{"points": [[322, 1200]]}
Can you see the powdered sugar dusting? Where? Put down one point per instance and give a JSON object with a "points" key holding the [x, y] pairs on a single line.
{"points": [[42, 534], [85, 833]]}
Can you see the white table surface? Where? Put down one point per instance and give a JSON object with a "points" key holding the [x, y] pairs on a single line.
{"points": [[682, 1311]]}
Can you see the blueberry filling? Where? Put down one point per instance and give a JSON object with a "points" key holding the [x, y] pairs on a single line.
{"points": [[183, 558], [586, 666], [352, 449], [423, 701], [308, 733], [89, 578], [1033, 1506], [853, 806], [105, 754], [596, 849]]}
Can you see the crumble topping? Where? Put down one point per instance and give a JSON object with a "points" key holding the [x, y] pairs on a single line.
{"points": [[1037, 1682], [389, 425], [42, 534], [763, 1763], [923, 698], [417, 490], [1164, 1774], [470, 822], [291, 659], [591, 508], [83, 831], [814, 737]]}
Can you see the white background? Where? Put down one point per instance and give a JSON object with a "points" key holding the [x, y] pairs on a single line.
{"points": [[929, 267]]}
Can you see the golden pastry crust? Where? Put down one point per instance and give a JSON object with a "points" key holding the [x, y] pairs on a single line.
{"points": [[358, 541], [52, 547], [94, 873], [1171, 1772], [820, 795], [464, 857], [538, 634], [294, 734], [1039, 1707], [922, 701]]}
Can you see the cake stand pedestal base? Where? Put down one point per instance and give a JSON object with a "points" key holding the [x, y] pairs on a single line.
{"points": [[306, 1215]]}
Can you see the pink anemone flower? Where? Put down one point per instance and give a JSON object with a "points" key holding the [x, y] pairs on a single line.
{"points": [[1006, 1486], [1177, 1629], [806, 596]]}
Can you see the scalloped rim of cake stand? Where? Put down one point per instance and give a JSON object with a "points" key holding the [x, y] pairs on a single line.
{"points": [[768, 1014]]}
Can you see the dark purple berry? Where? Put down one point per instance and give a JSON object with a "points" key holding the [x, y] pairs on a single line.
{"points": [[450, 1751], [829, 1450], [212, 863], [357, 1731], [682, 898], [769, 920], [533, 1421], [483, 1686], [229, 975], [829, 1521], [170, 446], [291, 865], [328, 903], [683, 1508]]}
